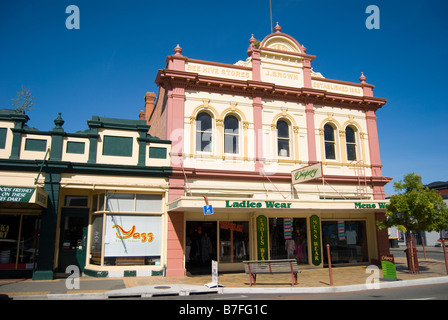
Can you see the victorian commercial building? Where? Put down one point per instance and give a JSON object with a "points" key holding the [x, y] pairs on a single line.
{"points": [[91, 201], [270, 160]]}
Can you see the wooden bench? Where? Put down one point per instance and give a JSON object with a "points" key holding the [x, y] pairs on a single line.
{"points": [[271, 266]]}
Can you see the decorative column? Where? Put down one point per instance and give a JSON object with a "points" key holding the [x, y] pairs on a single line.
{"points": [[175, 132]]}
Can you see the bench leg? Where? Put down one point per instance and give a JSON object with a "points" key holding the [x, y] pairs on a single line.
{"points": [[295, 278], [252, 279]]}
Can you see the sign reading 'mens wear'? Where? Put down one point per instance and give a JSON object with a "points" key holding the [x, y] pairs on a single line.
{"points": [[307, 173], [132, 236]]}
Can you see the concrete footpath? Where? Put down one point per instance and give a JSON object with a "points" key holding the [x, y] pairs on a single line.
{"points": [[345, 279]]}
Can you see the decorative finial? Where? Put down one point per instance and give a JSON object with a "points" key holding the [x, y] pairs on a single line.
{"points": [[362, 78], [252, 40], [58, 122], [178, 50], [252, 45], [278, 28]]}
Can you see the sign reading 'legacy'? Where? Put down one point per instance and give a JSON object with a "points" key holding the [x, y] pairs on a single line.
{"points": [[307, 173]]}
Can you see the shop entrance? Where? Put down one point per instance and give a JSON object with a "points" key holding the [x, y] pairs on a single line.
{"points": [[73, 238], [200, 246]]}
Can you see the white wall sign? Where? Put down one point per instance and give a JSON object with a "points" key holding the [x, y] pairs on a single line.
{"points": [[307, 173], [131, 236]]}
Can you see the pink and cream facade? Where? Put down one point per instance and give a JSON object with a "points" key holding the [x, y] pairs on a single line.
{"points": [[241, 134]]}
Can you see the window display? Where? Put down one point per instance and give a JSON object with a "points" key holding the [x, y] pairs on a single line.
{"points": [[18, 241], [347, 239], [288, 239], [234, 241]]}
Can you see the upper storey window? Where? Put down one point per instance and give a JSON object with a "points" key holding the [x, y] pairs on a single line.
{"points": [[329, 140], [204, 133], [231, 135], [350, 140], [283, 138]]}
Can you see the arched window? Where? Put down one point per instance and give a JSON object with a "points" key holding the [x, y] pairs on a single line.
{"points": [[231, 135], [350, 141], [329, 142], [283, 138], [204, 132]]}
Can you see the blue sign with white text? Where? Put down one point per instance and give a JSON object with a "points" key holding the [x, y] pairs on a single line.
{"points": [[208, 209]]}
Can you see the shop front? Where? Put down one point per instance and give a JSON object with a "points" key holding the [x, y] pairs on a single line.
{"points": [[20, 211], [240, 230]]}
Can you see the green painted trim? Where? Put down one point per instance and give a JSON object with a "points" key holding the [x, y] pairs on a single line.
{"points": [[56, 147], [130, 273], [35, 145], [75, 147], [96, 274], [157, 153], [43, 275], [117, 146], [3, 134], [157, 273]]}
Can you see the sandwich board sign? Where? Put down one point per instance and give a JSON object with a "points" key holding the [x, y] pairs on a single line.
{"points": [[388, 266], [214, 282]]}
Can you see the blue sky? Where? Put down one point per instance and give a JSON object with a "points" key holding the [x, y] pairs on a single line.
{"points": [[106, 67]]}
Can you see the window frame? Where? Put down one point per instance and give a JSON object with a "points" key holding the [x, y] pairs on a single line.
{"points": [[353, 144], [331, 143], [233, 135], [284, 139], [201, 132]]}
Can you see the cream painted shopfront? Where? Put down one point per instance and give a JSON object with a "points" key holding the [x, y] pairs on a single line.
{"points": [[94, 200]]}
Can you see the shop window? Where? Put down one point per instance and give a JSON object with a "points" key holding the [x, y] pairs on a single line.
{"points": [[231, 135], [329, 141], [130, 202], [288, 239], [18, 241], [204, 132], [128, 240], [347, 240], [283, 138], [233, 241], [350, 140]]}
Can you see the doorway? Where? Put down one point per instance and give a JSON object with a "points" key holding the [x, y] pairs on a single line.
{"points": [[200, 246], [73, 238]]}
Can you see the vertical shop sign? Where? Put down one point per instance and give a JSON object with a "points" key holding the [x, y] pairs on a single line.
{"points": [[388, 266], [262, 238], [316, 252]]}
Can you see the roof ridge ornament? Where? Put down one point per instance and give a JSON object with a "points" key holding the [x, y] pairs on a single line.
{"points": [[178, 50], [362, 78], [277, 28]]}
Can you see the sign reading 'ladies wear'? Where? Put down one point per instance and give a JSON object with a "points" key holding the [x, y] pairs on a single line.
{"points": [[130, 236], [262, 237]]}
